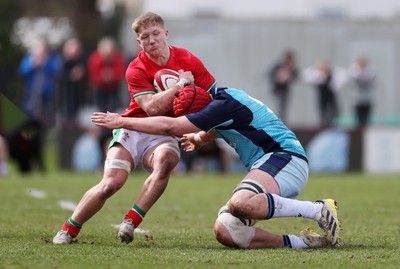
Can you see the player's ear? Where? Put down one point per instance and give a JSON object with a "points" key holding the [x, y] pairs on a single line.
{"points": [[166, 33]]}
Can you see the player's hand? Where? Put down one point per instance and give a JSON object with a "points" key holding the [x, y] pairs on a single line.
{"points": [[188, 143], [107, 120], [187, 76]]}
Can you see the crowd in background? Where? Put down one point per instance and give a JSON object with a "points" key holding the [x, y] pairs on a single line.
{"points": [[327, 80], [62, 88], [59, 83]]}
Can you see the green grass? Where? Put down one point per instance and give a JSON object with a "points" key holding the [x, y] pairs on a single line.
{"points": [[180, 225]]}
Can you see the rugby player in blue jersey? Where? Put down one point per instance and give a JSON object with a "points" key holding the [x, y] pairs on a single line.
{"points": [[275, 159]]}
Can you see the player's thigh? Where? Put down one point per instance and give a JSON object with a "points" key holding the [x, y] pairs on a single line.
{"points": [[285, 174], [117, 166], [164, 155], [248, 199], [117, 151], [249, 194], [266, 180]]}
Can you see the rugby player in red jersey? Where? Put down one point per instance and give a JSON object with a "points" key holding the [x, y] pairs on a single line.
{"points": [[158, 154]]}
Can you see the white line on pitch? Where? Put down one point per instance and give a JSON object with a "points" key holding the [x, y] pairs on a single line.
{"points": [[36, 193]]}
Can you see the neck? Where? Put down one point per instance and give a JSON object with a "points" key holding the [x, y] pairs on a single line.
{"points": [[162, 58]]}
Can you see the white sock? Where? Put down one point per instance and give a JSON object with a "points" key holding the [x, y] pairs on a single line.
{"points": [[296, 241], [285, 207]]}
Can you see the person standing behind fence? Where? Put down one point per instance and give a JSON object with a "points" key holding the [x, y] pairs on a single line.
{"points": [[106, 67], [40, 68], [281, 77], [73, 81], [327, 80], [363, 79]]}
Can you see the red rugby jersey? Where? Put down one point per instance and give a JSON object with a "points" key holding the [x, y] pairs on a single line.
{"points": [[140, 75]]}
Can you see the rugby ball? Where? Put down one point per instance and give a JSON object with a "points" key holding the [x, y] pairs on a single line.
{"points": [[165, 79], [190, 99]]}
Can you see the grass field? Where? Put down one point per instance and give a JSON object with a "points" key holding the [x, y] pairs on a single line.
{"points": [[178, 230]]}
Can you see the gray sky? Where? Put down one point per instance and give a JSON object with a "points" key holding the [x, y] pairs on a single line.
{"points": [[272, 9]]}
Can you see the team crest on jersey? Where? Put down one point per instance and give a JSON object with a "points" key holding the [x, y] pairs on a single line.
{"points": [[126, 136]]}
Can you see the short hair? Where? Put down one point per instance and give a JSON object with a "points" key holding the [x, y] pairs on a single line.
{"points": [[147, 20]]}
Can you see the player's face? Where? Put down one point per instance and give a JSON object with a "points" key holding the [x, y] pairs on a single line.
{"points": [[153, 40]]}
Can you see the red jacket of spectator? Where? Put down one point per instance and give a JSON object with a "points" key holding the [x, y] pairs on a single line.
{"points": [[106, 67]]}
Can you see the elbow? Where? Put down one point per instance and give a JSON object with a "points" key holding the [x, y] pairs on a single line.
{"points": [[169, 132], [171, 129], [151, 113], [154, 111]]}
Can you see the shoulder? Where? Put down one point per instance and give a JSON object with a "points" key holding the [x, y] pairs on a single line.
{"points": [[182, 53], [135, 71], [137, 65], [179, 50]]}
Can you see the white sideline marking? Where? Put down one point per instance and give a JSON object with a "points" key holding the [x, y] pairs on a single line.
{"points": [[67, 204], [70, 205], [36, 193], [137, 230]]}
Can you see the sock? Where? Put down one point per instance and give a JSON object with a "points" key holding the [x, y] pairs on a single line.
{"points": [[285, 207], [293, 241], [72, 227], [136, 215]]}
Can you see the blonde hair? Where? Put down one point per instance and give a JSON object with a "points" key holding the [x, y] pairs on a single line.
{"points": [[147, 20]]}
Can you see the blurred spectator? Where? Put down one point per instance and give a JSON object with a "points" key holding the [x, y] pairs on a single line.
{"points": [[207, 158], [26, 146], [216, 156], [87, 154], [73, 83], [281, 75], [363, 79], [3, 156], [327, 81], [106, 67], [40, 67]]}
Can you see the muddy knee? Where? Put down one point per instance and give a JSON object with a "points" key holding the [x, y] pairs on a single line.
{"points": [[233, 232]]}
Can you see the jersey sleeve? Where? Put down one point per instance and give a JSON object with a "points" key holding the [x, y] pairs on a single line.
{"points": [[203, 77], [218, 113], [138, 82]]}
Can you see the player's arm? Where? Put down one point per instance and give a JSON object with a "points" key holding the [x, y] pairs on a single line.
{"points": [[153, 125], [160, 103]]}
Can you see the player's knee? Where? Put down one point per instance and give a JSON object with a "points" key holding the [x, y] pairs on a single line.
{"points": [[233, 232], [108, 186], [107, 190], [162, 171], [170, 159], [222, 235], [164, 158], [240, 207], [240, 204]]}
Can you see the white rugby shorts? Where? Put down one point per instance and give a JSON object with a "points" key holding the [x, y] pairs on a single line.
{"points": [[139, 143]]}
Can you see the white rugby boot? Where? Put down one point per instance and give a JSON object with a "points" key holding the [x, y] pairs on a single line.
{"points": [[126, 231], [314, 240], [328, 220], [62, 238]]}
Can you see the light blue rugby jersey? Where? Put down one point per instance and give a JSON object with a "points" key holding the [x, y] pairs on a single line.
{"points": [[247, 125]]}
